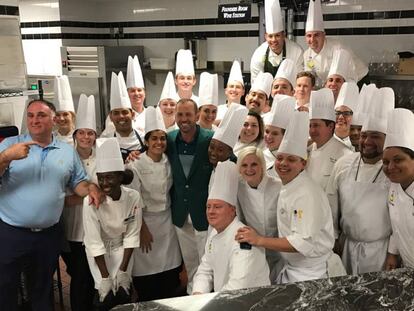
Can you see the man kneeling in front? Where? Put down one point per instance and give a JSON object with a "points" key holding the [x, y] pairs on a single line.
{"points": [[227, 264]]}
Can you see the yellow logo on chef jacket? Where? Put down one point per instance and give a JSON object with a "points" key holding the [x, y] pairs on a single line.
{"points": [[310, 64], [391, 198]]}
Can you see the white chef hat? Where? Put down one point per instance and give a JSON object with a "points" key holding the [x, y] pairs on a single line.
{"points": [[321, 105], [108, 155], [184, 64], [235, 73], [63, 100], [208, 89], [364, 100], [296, 136], [85, 116], [288, 71], [281, 111], [225, 183], [230, 126], [400, 129], [342, 65], [348, 95], [168, 91], [382, 102], [134, 73], [263, 83], [119, 93], [153, 120], [273, 17], [314, 21]]}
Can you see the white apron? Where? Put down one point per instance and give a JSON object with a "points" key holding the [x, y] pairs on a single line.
{"points": [[113, 260], [365, 222], [165, 253], [297, 268]]}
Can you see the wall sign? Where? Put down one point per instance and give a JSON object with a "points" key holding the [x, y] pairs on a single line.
{"points": [[234, 12]]}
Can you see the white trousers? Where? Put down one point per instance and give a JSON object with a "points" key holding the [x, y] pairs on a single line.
{"points": [[192, 244]]}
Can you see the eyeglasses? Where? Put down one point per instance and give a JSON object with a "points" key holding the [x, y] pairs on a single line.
{"points": [[344, 113]]}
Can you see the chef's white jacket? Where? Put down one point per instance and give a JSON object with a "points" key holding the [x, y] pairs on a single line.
{"points": [[115, 224], [304, 218], [346, 142], [138, 123], [401, 207], [225, 266], [65, 138], [293, 51], [257, 208], [322, 160], [195, 98], [323, 60], [130, 142], [153, 180]]}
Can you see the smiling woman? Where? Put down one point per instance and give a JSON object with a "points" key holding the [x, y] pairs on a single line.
{"points": [[158, 259], [398, 165], [251, 133]]}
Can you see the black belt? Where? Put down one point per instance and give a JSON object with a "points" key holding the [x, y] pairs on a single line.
{"points": [[35, 230]]}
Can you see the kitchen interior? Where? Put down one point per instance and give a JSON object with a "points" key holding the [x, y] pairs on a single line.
{"points": [[87, 40]]}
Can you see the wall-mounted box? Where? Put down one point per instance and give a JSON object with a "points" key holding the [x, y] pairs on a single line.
{"points": [[406, 66]]}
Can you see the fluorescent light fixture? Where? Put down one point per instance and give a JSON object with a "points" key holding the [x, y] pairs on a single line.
{"points": [[138, 11], [52, 5]]}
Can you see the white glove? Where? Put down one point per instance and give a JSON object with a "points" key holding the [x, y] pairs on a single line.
{"points": [[124, 280], [105, 288]]}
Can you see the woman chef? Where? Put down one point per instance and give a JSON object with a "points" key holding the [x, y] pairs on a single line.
{"points": [[112, 231], [81, 282], [257, 199], [398, 165], [157, 263], [304, 218]]}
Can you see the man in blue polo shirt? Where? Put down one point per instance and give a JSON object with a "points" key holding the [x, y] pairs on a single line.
{"points": [[35, 169], [191, 170]]}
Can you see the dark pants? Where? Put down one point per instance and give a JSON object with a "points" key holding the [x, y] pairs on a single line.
{"points": [[158, 286], [81, 281], [40, 250]]}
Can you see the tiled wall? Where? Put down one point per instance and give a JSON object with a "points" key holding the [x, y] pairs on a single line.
{"points": [[369, 27]]}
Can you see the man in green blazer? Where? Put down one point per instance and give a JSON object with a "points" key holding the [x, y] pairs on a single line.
{"points": [[191, 170]]}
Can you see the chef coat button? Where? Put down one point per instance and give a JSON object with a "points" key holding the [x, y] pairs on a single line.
{"points": [[185, 200], [187, 186]]}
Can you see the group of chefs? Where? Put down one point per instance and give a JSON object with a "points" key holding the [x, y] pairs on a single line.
{"points": [[312, 178]]}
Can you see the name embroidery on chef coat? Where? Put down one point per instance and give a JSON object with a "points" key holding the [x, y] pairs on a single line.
{"points": [[298, 214], [391, 198], [131, 217], [210, 247]]}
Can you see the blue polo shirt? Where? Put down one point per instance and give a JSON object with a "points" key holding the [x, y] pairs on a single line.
{"points": [[32, 190]]}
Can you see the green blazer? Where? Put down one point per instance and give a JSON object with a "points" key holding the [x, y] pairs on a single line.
{"points": [[189, 195]]}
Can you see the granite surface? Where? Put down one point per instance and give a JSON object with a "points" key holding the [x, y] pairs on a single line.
{"points": [[371, 291]]}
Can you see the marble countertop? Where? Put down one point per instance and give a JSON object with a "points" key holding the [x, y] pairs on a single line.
{"points": [[371, 291]]}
